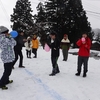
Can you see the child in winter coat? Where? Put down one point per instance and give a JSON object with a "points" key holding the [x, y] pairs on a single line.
{"points": [[28, 46], [65, 44], [35, 45], [7, 55], [83, 55]]}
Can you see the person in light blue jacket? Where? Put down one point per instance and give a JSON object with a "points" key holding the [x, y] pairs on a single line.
{"points": [[7, 55]]}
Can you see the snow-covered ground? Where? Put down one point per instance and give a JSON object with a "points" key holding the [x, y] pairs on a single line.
{"points": [[34, 82]]}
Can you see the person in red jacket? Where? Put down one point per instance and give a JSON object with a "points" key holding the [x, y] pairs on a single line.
{"points": [[84, 45]]}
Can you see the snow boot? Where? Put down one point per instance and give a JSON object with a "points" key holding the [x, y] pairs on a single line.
{"points": [[52, 74], [77, 74], [3, 87], [9, 82], [84, 75], [57, 72], [21, 66], [30, 57]]}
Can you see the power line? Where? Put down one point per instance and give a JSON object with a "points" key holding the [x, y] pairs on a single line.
{"points": [[87, 6], [90, 5], [93, 16], [4, 10], [89, 11], [93, 12]]}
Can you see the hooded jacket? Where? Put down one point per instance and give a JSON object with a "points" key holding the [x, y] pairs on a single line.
{"points": [[6, 46], [28, 45], [84, 49]]}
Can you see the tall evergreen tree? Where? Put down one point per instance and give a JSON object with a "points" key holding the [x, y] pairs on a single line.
{"points": [[22, 18], [67, 16], [40, 22], [40, 16]]}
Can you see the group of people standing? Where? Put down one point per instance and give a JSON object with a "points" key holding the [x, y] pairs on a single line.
{"points": [[55, 46], [11, 49], [84, 45], [31, 45]]}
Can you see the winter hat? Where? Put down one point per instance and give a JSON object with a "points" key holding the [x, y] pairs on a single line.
{"points": [[28, 37], [3, 29], [65, 35]]}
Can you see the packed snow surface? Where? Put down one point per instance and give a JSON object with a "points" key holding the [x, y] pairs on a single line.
{"points": [[34, 83]]}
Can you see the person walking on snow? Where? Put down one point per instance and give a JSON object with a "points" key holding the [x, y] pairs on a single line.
{"points": [[84, 45], [55, 46], [7, 55], [35, 45], [65, 44], [20, 40], [28, 46]]}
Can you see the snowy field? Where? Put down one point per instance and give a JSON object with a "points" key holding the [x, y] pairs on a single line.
{"points": [[34, 82]]}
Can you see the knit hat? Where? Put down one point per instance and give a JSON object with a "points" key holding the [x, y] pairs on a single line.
{"points": [[3, 29]]}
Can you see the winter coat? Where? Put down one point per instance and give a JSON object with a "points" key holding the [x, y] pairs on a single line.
{"points": [[65, 44], [55, 46], [20, 42], [84, 49], [6, 46], [35, 43], [28, 45]]}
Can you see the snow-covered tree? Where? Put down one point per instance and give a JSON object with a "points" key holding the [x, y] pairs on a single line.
{"points": [[22, 17], [67, 16], [40, 22], [40, 16]]}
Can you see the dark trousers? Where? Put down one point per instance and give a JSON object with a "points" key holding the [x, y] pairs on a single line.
{"points": [[7, 72], [18, 53], [34, 51], [65, 54], [28, 53], [84, 61], [54, 64]]}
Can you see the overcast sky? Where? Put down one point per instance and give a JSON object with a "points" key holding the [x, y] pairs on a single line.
{"points": [[92, 8]]}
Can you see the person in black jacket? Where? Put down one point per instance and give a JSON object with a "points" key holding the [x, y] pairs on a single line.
{"points": [[55, 46], [20, 39]]}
